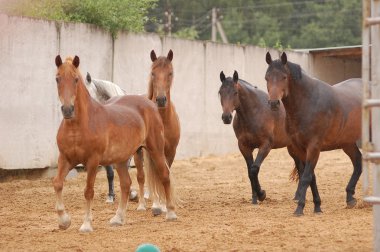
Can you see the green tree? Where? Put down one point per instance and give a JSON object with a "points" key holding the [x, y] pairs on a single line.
{"points": [[112, 15]]}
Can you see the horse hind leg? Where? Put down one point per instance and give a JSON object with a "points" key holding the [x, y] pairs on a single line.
{"points": [[355, 155], [138, 158], [125, 185], [111, 191]]}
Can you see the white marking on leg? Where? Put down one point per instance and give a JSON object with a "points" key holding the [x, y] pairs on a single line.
{"points": [[87, 220], [119, 217]]}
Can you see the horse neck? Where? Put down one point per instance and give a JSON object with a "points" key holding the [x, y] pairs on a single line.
{"points": [[81, 105], [300, 91], [249, 102]]}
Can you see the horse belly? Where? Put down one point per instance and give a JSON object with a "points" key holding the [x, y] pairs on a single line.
{"points": [[123, 142]]}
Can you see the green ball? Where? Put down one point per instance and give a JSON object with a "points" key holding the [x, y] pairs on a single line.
{"points": [[146, 247]]}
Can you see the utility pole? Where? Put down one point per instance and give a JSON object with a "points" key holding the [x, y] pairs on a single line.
{"points": [[213, 24], [216, 26], [168, 25]]}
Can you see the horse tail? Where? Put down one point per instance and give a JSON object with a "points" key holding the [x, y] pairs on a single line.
{"points": [[293, 176], [154, 181]]}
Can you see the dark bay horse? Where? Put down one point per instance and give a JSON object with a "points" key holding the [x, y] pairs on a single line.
{"points": [[254, 124], [160, 83], [95, 134], [319, 117]]}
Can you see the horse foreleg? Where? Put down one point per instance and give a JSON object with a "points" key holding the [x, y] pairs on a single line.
{"points": [[164, 175], [308, 178], [110, 177], [299, 166], [138, 158], [264, 150], [64, 167], [125, 185], [356, 159], [247, 154], [91, 167]]}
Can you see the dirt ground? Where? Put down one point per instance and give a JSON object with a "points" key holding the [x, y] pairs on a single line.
{"points": [[216, 215]]}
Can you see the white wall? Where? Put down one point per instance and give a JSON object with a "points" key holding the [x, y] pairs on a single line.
{"points": [[29, 106]]}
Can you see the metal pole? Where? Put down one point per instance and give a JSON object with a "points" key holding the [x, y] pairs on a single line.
{"points": [[375, 93]]}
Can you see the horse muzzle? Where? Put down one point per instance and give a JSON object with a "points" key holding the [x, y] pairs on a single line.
{"points": [[227, 118], [67, 111], [161, 101], [274, 104]]}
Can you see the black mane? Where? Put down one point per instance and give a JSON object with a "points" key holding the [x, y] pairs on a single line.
{"points": [[295, 69]]}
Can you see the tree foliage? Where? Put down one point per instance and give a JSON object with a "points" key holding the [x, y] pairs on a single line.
{"points": [[112, 15], [289, 23]]}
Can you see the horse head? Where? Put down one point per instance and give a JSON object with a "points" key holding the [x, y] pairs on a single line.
{"points": [[277, 77], [161, 78], [229, 95], [67, 78]]}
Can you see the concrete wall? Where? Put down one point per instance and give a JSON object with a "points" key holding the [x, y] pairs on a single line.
{"points": [[29, 106]]}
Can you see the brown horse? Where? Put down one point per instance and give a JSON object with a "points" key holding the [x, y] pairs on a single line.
{"points": [[92, 133], [254, 124], [319, 117], [161, 78]]}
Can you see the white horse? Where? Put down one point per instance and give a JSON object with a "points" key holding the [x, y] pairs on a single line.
{"points": [[102, 90]]}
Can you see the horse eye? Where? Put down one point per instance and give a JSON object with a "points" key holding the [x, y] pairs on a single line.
{"points": [[76, 80], [57, 80], [284, 78], [235, 93]]}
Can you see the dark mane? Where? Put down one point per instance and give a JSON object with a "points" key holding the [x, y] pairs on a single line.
{"points": [[229, 81], [295, 69]]}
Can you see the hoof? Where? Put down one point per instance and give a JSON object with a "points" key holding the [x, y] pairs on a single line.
{"points": [[141, 208], [110, 199], [171, 216], [263, 195], [254, 200], [156, 211], [351, 203], [116, 221], [86, 228], [317, 210], [64, 222], [298, 212], [133, 196]]}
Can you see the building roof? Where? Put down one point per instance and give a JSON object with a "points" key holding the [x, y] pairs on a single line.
{"points": [[350, 52]]}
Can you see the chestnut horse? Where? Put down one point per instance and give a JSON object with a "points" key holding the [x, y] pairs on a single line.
{"points": [[95, 134], [319, 117], [254, 124], [102, 91], [160, 82]]}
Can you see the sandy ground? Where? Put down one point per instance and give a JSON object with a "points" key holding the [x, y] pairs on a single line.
{"points": [[216, 215]]}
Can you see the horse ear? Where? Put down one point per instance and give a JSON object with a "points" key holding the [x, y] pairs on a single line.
{"points": [[58, 61], [236, 76], [284, 58], [222, 76], [170, 55], [88, 77], [153, 56], [268, 58], [76, 61]]}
